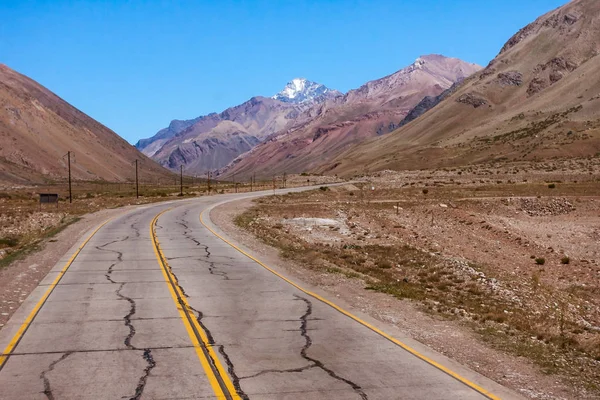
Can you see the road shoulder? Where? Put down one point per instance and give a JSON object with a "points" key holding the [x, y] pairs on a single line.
{"points": [[449, 338], [19, 279]]}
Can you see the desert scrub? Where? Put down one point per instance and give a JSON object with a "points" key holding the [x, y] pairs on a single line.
{"points": [[505, 319], [9, 242]]}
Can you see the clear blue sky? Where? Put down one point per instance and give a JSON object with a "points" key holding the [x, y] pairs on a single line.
{"points": [[136, 65]]}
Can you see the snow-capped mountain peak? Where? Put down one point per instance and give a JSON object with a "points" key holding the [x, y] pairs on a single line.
{"points": [[300, 90]]}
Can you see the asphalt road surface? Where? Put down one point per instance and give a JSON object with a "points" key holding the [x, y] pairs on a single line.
{"points": [[155, 305]]}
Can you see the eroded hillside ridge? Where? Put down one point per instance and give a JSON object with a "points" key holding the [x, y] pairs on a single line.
{"points": [[538, 99], [37, 129], [330, 128], [212, 141]]}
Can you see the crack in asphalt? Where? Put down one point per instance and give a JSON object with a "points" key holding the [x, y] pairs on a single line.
{"points": [[278, 371], [186, 233], [44, 378], [127, 318], [147, 355], [211, 342], [209, 336], [137, 230], [139, 390], [231, 369], [314, 363], [199, 315], [213, 269], [318, 363]]}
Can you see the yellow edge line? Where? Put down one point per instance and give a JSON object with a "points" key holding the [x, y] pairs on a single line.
{"points": [[177, 294], [17, 337], [360, 321]]}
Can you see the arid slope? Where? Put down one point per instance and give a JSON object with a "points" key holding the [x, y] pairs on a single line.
{"points": [[37, 128], [538, 99]]}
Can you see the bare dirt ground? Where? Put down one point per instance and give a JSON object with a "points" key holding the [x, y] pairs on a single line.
{"points": [[497, 267]]}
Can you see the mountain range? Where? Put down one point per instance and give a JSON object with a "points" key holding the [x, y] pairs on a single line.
{"points": [[374, 109], [301, 126], [212, 141], [539, 98]]}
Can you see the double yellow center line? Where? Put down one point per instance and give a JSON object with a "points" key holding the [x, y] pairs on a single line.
{"points": [[216, 374]]}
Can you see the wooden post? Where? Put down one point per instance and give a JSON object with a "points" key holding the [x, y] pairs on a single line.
{"points": [[181, 180], [208, 182], [137, 187], [70, 188]]}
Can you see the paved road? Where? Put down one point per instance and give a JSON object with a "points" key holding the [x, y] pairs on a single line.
{"points": [[155, 306]]}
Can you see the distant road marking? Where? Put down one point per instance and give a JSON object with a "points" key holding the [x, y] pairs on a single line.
{"points": [[19, 335], [433, 363], [216, 374]]}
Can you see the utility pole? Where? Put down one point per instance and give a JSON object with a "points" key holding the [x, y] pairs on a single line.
{"points": [[137, 186], [68, 155], [273, 184], [234, 184], [181, 180], [251, 185], [208, 181], [284, 180], [70, 187]]}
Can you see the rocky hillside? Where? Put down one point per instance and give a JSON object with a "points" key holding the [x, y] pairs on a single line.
{"points": [[332, 127], [212, 141], [538, 99], [37, 128]]}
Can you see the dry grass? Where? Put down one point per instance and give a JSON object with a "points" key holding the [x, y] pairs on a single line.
{"points": [[527, 317]]}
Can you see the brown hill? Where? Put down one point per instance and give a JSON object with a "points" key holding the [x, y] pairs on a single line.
{"points": [[37, 128], [330, 128], [539, 98]]}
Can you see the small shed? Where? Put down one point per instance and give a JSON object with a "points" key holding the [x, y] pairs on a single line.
{"points": [[48, 198]]}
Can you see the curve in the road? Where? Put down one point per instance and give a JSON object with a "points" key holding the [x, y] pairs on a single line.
{"points": [[216, 374], [215, 371], [404, 346]]}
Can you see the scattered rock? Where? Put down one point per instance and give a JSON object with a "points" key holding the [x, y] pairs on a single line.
{"points": [[570, 19], [471, 99], [549, 73], [510, 78], [536, 207]]}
